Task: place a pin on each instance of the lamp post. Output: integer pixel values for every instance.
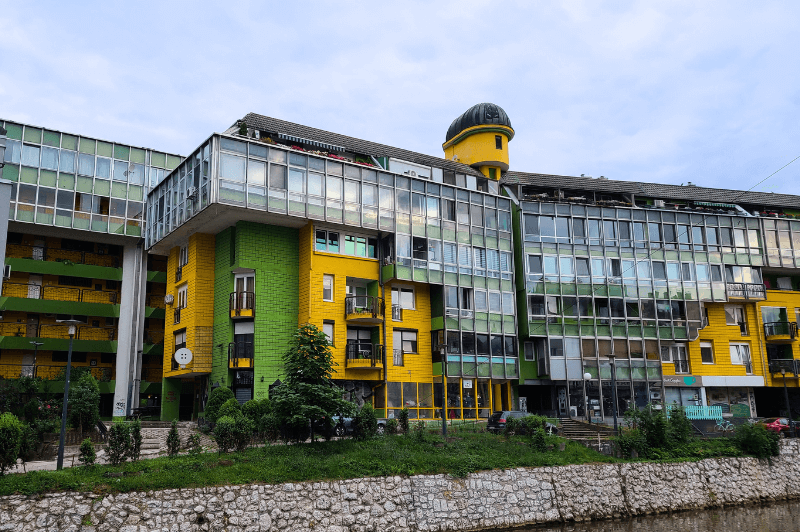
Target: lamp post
(443, 352)
(72, 330)
(788, 406)
(586, 377)
(35, 345)
(613, 392)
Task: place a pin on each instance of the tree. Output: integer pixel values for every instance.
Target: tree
(11, 434)
(308, 398)
(84, 402)
(173, 440)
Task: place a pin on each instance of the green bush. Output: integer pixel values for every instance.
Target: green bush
(119, 443)
(403, 420)
(84, 402)
(32, 410)
(653, 425)
(255, 409)
(224, 433)
(680, 429)
(531, 422)
(193, 444)
(269, 427)
(11, 433)
(242, 433)
(217, 398)
(173, 440)
(136, 439)
(420, 432)
(365, 423)
(87, 455)
(538, 440)
(757, 440)
(631, 439)
(28, 443)
(231, 408)
(512, 426)
(392, 426)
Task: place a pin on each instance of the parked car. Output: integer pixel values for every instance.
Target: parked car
(781, 425)
(497, 421)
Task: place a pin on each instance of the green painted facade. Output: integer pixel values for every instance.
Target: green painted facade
(65, 268)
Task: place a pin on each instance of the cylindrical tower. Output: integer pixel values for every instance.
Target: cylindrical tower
(479, 138)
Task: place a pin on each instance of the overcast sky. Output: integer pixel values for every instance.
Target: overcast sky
(671, 92)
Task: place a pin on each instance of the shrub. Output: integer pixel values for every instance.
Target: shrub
(231, 408)
(242, 433)
(28, 443)
(119, 443)
(629, 440)
(512, 426)
(136, 439)
(538, 441)
(403, 420)
(269, 428)
(173, 440)
(365, 423)
(193, 444)
(217, 398)
(653, 425)
(757, 440)
(84, 402)
(254, 409)
(11, 432)
(224, 433)
(32, 410)
(392, 426)
(87, 455)
(419, 431)
(528, 424)
(679, 427)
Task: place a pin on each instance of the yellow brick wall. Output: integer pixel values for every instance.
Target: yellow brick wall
(416, 368)
(198, 276)
(790, 301)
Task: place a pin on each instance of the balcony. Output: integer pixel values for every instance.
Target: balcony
(56, 330)
(363, 355)
(789, 365)
(53, 373)
(681, 366)
(242, 304)
(746, 291)
(397, 313)
(19, 251)
(177, 314)
(59, 293)
(364, 309)
(179, 274)
(780, 331)
(240, 355)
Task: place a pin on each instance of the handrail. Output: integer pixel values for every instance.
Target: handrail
(52, 372)
(781, 328)
(177, 316)
(178, 273)
(364, 351)
(695, 412)
(240, 351)
(57, 331)
(746, 290)
(789, 365)
(238, 301)
(397, 313)
(21, 251)
(59, 293)
(364, 305)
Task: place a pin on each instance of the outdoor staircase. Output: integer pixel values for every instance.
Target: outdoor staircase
(582, 431)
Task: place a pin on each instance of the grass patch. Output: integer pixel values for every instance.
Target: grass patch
(343, 459)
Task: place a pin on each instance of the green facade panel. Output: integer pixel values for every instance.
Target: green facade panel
(57, 344)
(48, 306)
(65, 268)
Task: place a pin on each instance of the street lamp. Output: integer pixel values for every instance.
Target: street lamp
(788, 406)
(586, 377)
(443, 352)
(35, 345)
(72, 329)
(613, 391)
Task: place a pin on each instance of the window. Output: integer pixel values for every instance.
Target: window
(405, 340)
(404, 297)
(740, 355)
(706, 352)
(327, 287)
(734, 315)
(183, 296)
(327, 328)
(498, 142)
(183, 256)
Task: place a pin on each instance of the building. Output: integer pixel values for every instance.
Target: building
(452, 281)
(75, 250)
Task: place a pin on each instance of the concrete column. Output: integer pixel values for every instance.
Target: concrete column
(703, 399)
(129, 331)
(5, 200)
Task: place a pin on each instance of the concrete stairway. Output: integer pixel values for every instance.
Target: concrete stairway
(581, 431)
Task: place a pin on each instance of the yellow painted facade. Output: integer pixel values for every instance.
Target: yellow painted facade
(197, 318)
(476, 146)
(791, 302)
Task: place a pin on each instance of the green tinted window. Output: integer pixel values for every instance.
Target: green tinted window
(87, 146)
(119, 190)
(103, 148)
(33, 134)
(69, 142)
(47, 178)
(85, 184)
(11, 172)
(102, 187)
(14, 131)
(173, 161)
(137, 155)
(51, 138)
(29, 175)
(158, 159)
(121, 152)
(135, 193)
(66, 181)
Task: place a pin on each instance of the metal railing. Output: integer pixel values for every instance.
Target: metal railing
(397, 313)
(177, 316)
(696, 412)
(240, 355)
(397, 358)
(156, 301)
(781, 328)
(359, 305)
(789, 365)
(57, 331)
(179, 274)
(154, 336)
(52, 372)
(746, 290)
(681, 366)
(239, 301)
(20, 251)
(59, 293)
(363, 351)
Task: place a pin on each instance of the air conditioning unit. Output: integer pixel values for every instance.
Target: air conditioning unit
(169, 299)
(191, 193)
(659, 203)
(6, 271)
(573, 411)
(655, 396)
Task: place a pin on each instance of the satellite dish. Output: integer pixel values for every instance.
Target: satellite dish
(168, 299)
(183, 356)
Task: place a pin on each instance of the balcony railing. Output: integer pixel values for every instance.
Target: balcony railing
(242, 304)
(59, 293)
(240, 355)
(177, 316)
(56, 330)
(20, 251)
(681, 366)
(154, 337)
(363, 355)
(756, 291)
(156, 301)
(780, 328)
(695, 412)
(179, 274)
(364, 308)
(789, 365)
(397, 358)
(53, 373)
(397, 313)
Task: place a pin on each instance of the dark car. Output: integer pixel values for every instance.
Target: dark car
(497, 421)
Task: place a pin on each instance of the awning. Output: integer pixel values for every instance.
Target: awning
(309, 142)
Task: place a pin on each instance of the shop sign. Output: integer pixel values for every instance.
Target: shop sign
(684, 381)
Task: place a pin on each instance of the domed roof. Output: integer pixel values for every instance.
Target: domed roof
(479, 115)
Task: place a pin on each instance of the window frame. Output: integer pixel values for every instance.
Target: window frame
(404, 288)
(710, 347)
(328, 278)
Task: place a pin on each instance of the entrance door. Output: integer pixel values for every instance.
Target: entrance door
(34, 286)
(32, 327)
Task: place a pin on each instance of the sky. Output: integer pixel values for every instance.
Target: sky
(670, 92)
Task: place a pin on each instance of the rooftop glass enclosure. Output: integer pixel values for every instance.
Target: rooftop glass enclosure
(450, 236)
(78, 182)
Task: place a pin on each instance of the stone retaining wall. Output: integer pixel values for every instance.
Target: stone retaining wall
(491, 499)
